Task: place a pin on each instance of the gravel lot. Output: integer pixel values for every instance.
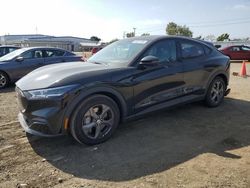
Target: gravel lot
(189, 146)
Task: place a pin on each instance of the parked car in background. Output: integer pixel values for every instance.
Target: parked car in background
(7, 49)
(95, 50)
(20, 62)
(237, 52)
(126, 79)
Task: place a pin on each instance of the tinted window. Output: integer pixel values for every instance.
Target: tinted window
(164, 50)
(69, 54)
(33, 54)
(207, 50)
(191, 50)
(54, 53)
(235, 49)
(2, 51)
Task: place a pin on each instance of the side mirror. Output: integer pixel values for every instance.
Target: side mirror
(149, 61)
(19, 59)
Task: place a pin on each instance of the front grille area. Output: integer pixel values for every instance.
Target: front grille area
(21, 100)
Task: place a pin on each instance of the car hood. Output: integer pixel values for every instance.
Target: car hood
(47, 76)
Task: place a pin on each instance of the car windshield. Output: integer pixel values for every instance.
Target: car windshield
(12, 55)
(120, 52)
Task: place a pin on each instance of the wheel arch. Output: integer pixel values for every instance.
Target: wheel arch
(106, 91)
(221, 74)
(6, 74)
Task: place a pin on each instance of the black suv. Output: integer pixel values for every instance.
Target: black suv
(126, 79)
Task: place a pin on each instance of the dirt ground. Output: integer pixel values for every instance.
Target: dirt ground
(189, 146)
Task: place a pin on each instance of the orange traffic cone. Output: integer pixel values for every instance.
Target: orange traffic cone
(243, 71)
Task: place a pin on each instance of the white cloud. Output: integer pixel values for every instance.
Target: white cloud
(241, 7)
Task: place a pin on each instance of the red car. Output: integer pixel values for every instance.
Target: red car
(237, 52)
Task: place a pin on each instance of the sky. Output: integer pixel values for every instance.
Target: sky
(109, 19)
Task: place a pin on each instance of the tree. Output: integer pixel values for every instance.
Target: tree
(224, 36)
(95, 38)
(174, 29)
(132, 34)
(145, 34)
(210, 38)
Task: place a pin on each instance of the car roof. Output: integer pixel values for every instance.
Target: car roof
(39, 47)
(45, 47)
(152, 38)
(9, 46)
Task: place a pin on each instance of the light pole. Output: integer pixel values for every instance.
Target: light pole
(134, 31)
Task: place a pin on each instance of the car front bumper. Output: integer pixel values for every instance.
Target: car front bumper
(41, 117)
(43, 129)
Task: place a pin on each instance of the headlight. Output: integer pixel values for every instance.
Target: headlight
(48, 93)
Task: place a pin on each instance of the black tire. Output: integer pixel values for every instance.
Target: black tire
(215, 93)
(4, 80)
(95, 120)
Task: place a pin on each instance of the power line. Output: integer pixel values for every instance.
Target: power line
(201, 24)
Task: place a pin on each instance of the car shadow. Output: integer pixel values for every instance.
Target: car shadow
(155, 143)
(9, 89)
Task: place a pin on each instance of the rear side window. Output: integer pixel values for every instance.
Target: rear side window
(191, 50)
(245, 48)
(2, 51)
(54, 53)
(69, 54)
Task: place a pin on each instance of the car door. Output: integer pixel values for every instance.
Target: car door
(194, 58)
(28, 61)
(235, 53)
(53, 56)
(245, 51)
(157, 84)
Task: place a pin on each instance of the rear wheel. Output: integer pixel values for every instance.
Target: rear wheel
(4, 80)
(215, 93)
(95, 120)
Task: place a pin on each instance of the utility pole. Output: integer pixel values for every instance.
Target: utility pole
(124, 34)
(134, 31)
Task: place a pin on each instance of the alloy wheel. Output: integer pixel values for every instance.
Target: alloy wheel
(97, 121)
(217, 92)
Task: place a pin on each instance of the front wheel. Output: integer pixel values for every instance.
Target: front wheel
(215, 93)
(95, 120)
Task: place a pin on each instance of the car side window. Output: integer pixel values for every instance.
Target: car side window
(2, 51)
(54, 53)
(235, 49)
(33, 54)
(245, 48)
(191, 50)
(165, 51)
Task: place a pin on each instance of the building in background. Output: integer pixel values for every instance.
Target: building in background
(70, 43)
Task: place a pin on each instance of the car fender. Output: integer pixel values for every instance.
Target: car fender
(84, 93)
(214, 75)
